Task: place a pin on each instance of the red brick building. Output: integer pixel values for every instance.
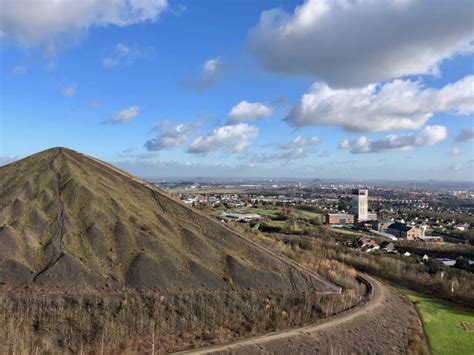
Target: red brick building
(339, 218)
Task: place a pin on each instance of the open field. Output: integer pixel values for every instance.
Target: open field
(443, 326)
(267, 212)
(294, 218)
(311, 215)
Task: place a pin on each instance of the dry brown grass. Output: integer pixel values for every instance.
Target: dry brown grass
(133, 322)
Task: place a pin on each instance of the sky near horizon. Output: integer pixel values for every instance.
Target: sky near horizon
(318, 88)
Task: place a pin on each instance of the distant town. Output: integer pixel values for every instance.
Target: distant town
(375, 215)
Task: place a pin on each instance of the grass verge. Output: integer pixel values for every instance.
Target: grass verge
(443, 324)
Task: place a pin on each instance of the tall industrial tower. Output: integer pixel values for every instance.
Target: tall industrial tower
(360, 204)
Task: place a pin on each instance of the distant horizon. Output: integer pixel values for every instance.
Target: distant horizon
(303, 179)
(269, 177)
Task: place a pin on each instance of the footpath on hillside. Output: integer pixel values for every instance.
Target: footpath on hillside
(388, 323)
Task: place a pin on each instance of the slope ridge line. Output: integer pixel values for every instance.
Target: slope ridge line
(335, 288)
(59, 221)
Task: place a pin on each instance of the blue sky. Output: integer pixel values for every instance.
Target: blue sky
(314, 92)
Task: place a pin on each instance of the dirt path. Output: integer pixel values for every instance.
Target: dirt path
(386, 323)
(378, 295)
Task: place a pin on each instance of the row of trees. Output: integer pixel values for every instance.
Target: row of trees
(152, 322)
(452, 284)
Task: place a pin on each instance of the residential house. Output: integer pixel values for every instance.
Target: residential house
(403, 231)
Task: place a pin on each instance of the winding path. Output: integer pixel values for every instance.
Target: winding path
(383, 323)
(377, 296)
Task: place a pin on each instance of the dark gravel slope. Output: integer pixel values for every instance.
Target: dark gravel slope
(71, 221)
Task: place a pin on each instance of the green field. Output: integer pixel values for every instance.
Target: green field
(266, 212)
(311, 215)
(273, 211)
(443, 326)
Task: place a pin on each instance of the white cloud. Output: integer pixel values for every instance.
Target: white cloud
(355, 43)
(70, 90)
(122, 54)
(287, 157)
(300, 142)
(430, 135)
(232, 138)
(125, 115)
(245, 110)
(170, 135)
(399, 104)
(119, 53)
(211, 72)
(32, 21)
(465, 135)
(297, 148)
(293, 150)
(455, 151)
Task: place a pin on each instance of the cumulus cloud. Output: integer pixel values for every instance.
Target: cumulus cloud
(355, 43)
(232, 138)
(465, 135)
(170, 135)
(245, 110)
(399, 104)
(287, 157)
(293, 150)
(70, 90)
(300, 142)
(297, 148)
(211, 72)
(125, 115)
(430, 135)
(32, 21)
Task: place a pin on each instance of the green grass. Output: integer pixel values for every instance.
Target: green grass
(442, 323)
(310, 215)
(274, 211)
(266, 212)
